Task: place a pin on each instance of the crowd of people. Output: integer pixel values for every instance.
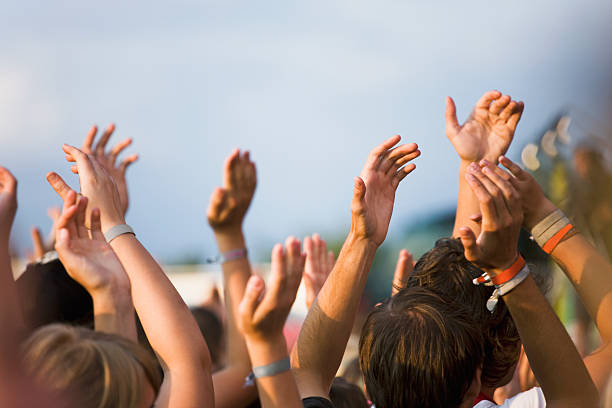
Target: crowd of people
(95, 322)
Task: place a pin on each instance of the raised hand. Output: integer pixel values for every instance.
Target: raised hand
(319, 264)
(488, 131)
(96, 184)
(89, 260)
(108, 160)
(403, 270)
(374, 191)
(264, 319)
(495, 249)
(40, 247)
(229, 204)
(261, 321)
(8, 203)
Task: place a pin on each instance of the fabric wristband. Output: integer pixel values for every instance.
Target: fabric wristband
(503, 277)
(505, 288)
(227, 256)
(117, 230)
(551, 230)
(268, 370)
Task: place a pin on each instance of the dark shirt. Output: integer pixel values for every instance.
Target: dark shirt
(317, 402)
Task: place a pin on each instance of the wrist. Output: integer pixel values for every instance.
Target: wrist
(532, 218)
(228, 240)
(266, 350)
(109, 222)
(502, 266)
(112, 299)
(359, 241)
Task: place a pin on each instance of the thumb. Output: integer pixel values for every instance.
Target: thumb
(39, 246)
(252, 293)
(359, 191)
(452, 125)
(468, 239)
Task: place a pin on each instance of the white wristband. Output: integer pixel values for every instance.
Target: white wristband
(117, 230)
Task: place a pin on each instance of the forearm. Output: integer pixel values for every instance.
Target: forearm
(114, 313)
(545, 340)
(325, 332)
(11, 315)
(467, 204)
(278, 390)
(168, 323)
(236, 274)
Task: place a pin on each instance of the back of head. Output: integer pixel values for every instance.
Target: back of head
(419, 349)
(445, 270)
(344, 394)
(91, 369)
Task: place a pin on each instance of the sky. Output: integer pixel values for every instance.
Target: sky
(308, 87)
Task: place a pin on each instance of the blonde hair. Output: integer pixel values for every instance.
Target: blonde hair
(93, 369)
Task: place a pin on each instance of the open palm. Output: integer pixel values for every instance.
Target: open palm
(488, 131)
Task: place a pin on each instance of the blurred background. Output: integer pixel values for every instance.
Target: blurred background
(309, 88)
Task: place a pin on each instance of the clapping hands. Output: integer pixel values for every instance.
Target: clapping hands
(488, 131)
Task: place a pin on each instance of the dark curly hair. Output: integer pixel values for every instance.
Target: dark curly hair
(445, 270)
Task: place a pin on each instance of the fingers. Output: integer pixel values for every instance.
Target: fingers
(8, 182)
(88, 142)
(59, 185)
(499, 104)
(508, 110)
(403, 270)
(331, 261)
(127, 162)
(376, 153)
(485, 100)
(516, 116)
(395, 158)
(229, 176)
(252, 293)
(487, 206)
(118, 148)
(67, 221)
(320, 252)
(511, 196)
(470, 247)
(37, 241)
(96, 225)
(295, 261)
(452, 125)
(402, 173)
(101, 145)
(514, 168)
(80, 218)
(83, 162)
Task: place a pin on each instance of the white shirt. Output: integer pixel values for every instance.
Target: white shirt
(533, 398)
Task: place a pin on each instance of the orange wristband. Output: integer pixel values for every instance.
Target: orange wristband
(555, 239)
(509, 273)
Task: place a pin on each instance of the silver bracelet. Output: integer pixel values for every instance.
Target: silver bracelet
(268, 370)
(117, 230)
(227, 256)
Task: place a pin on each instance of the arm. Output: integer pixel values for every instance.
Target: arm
(325, 332)
(11, 319)
(262, 323)
(486, 134)
(319, 264)
(564, 381)
(90, 261)
(167, 322)
(226, 211)
(585, 267)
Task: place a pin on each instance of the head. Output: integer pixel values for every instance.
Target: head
(91, 369)
(212, 329)
(419, 349)
(445, 270)
(344, 394)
